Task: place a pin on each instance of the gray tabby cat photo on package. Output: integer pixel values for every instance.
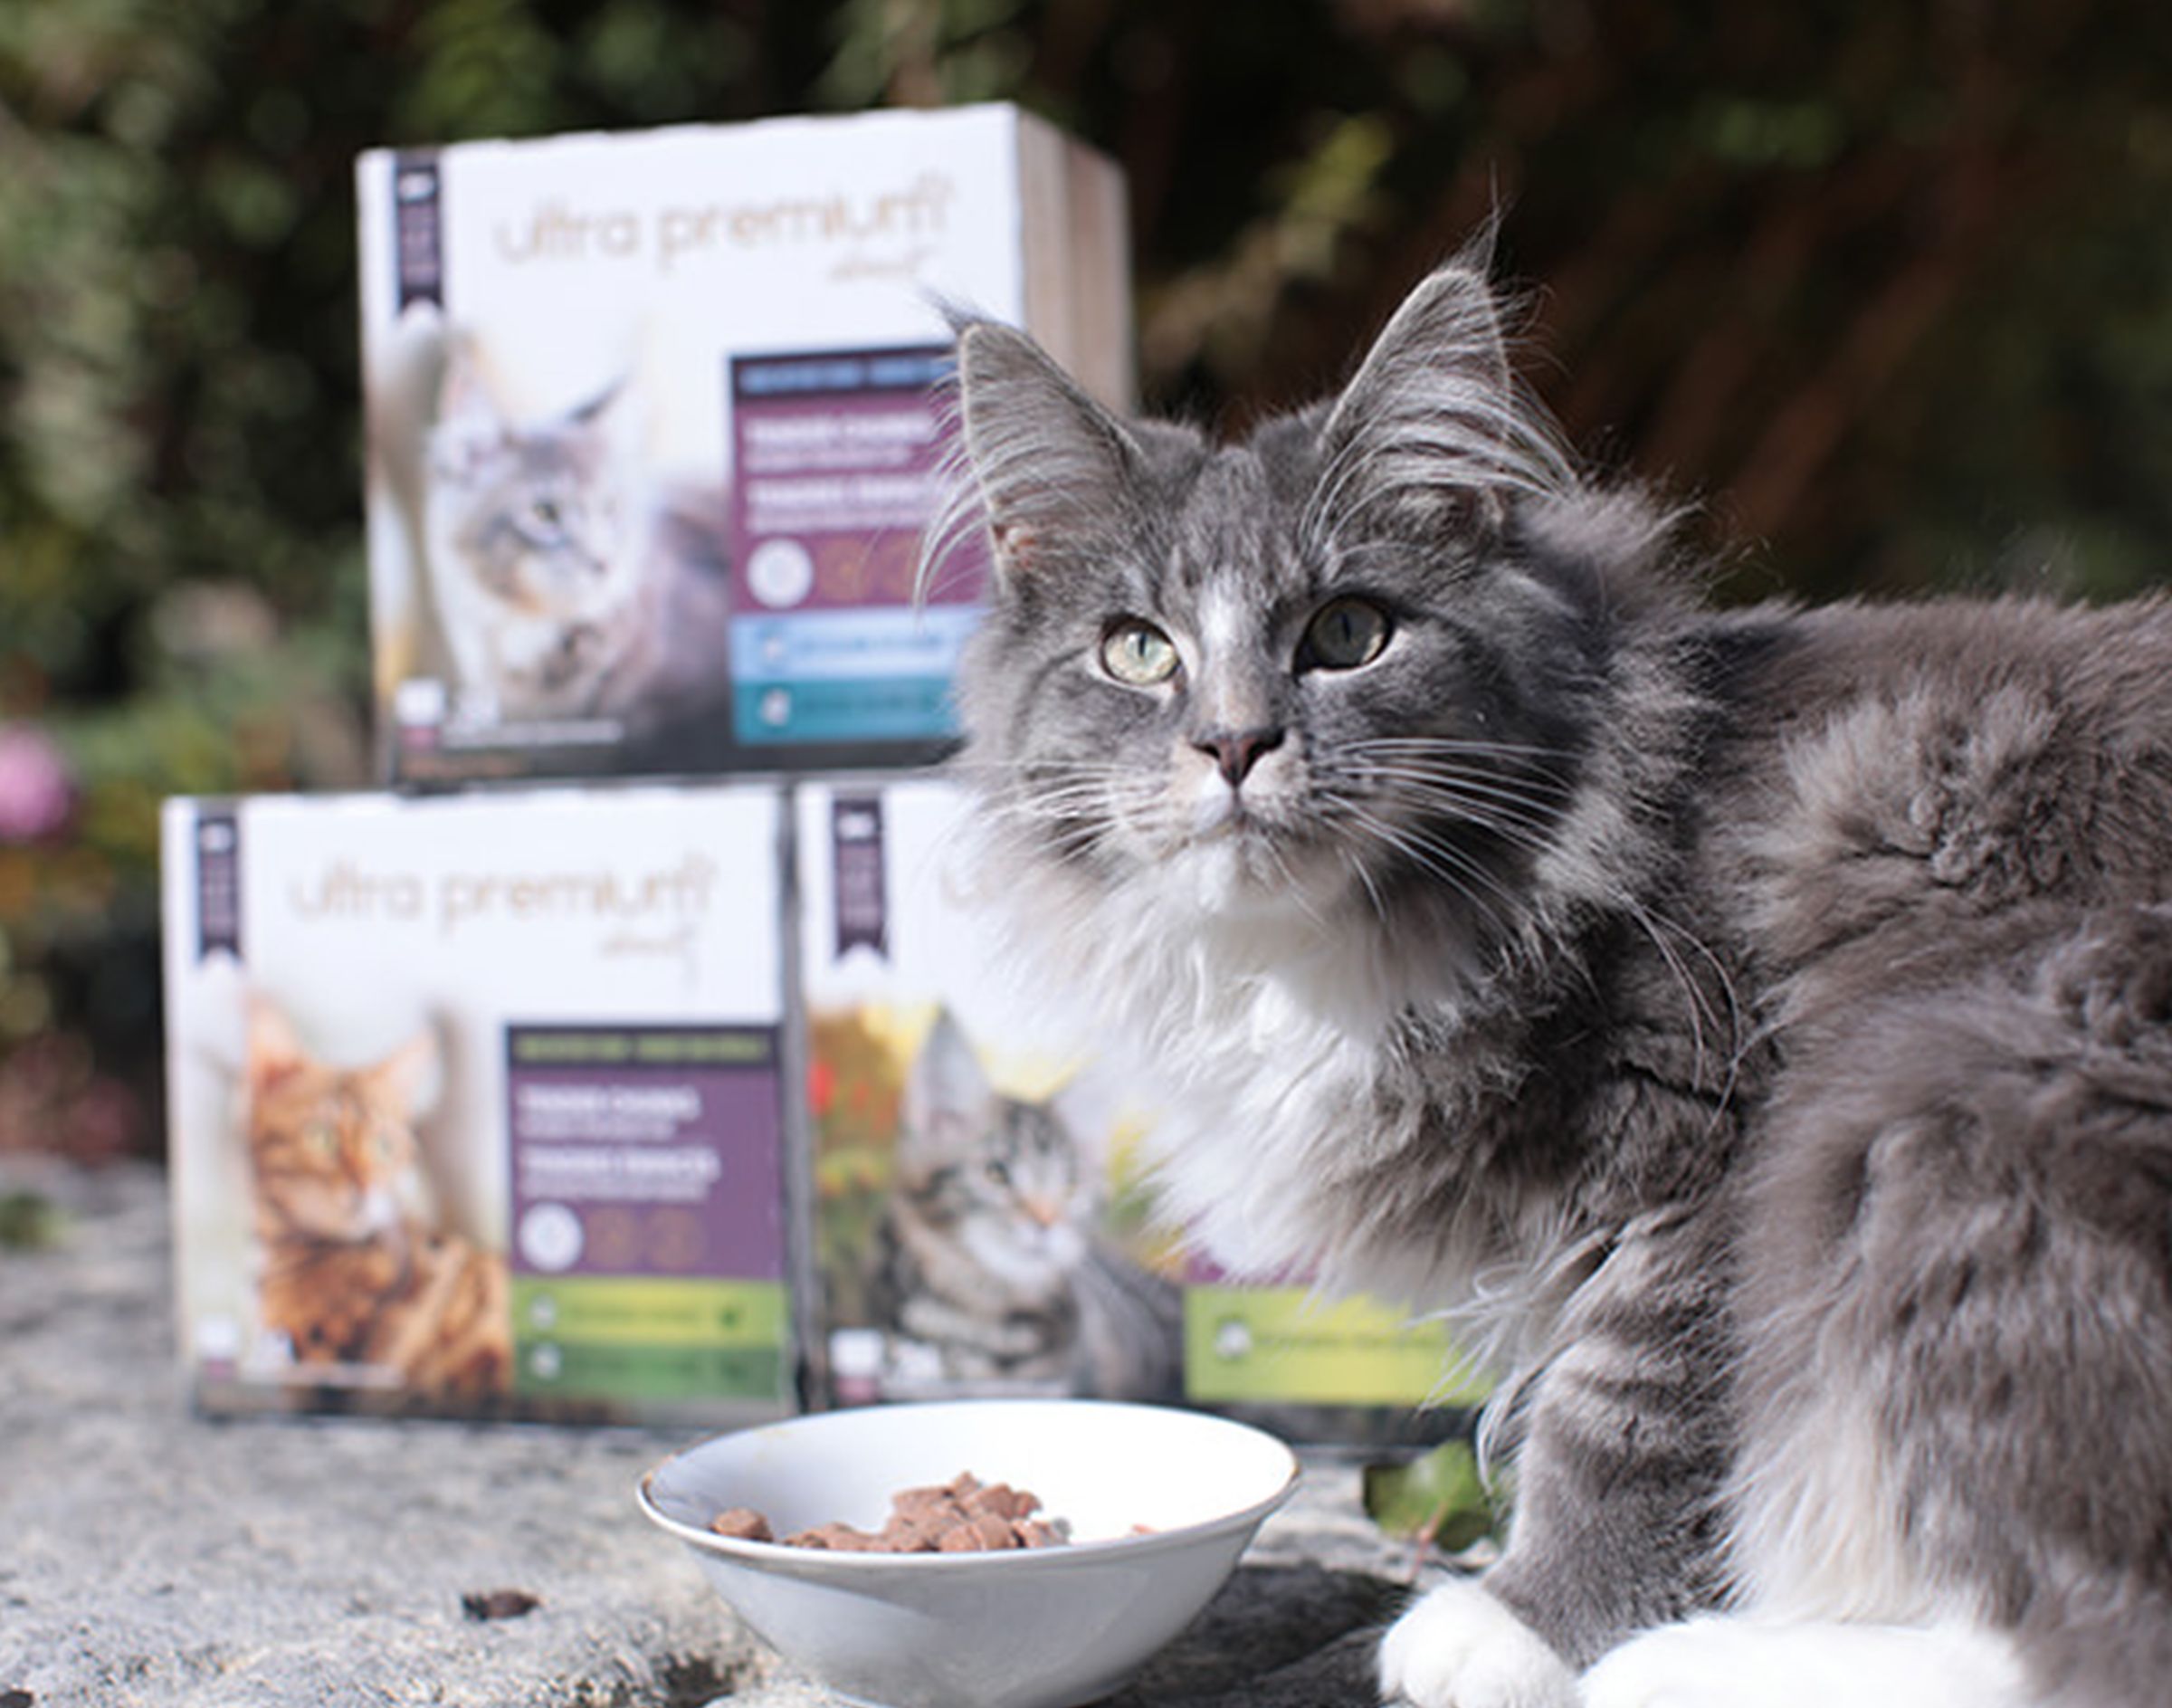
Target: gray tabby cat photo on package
(990, 1258)
(1754, 1026)
(555, 578)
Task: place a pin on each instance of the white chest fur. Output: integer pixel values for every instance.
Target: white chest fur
(1267, 1045)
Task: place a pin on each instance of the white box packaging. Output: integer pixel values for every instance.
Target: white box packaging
(476, 1103)
(655, 429)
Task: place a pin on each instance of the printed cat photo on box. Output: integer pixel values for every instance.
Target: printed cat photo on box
(1754, 1024)
(555, 579)
(979, 1256)
(993, 1254)
(356, 1278)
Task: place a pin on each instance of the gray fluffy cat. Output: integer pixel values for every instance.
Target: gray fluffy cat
(1760, 1024)
(991, 1254)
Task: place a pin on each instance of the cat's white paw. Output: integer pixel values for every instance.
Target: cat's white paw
(1703, 1663)
(1745, 1663)
(1460, 1648)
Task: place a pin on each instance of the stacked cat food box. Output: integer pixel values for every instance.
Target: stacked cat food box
(656, 429)
(479, 1101)
(635, 1053)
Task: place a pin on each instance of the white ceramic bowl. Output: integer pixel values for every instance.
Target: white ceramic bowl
(1045, 1628)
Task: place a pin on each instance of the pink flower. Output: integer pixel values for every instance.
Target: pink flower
(36, 793)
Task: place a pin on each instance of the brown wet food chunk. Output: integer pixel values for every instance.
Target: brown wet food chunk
(742, 1523)
(964, 1516)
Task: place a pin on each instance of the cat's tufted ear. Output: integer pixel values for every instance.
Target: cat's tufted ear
(1433, 426)
(946, 1090)
(275, 1048)
(464, 393)
(409, 1076)
(469, 428)
(1044, 457)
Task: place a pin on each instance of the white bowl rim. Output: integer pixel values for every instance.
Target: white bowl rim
(776, 1554)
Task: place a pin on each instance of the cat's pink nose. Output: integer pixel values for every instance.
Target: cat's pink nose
(1234, 753)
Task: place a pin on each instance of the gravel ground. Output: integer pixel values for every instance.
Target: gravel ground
(151, 1557)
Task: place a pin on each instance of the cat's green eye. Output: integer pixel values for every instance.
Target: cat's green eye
(322, 1138)
(1137, 654)
(997, 1173)
(1345, 633)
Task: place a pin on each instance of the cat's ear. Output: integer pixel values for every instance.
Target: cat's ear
(1433, 425)
(408, 1077)
(275, 1048)
(1047, 459)
(600, 407)
(470, 425)
(613, 412)
(948, 1088)
(464, 393)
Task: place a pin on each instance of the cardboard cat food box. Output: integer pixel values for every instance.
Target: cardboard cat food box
(982, 1221)
(656, 427)
(477, 1106)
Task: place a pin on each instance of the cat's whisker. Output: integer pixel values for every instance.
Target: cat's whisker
(1442, 861)
(1363, 874)
(1693, 1001)
(1502, 827)
(1524, 825)
(1511, 797)
(1431, 741)
(1082, 791)
(1503, 771)
(1539, 793)
(1295, 890)
(1486, 769)
(1698, 1008)
(1529, 757)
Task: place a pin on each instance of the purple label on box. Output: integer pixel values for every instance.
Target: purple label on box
(419, 229)
(837, 460)
(646, 1151)
(218, 883)
(859, 875)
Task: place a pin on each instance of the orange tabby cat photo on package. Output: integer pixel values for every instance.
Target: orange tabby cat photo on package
(356, 1273)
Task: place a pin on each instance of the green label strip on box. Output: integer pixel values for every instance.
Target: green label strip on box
(1286, 1345)
(650, 1338)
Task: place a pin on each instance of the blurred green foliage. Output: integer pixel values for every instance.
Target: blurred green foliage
(1887, 287)
(1440, 1499)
